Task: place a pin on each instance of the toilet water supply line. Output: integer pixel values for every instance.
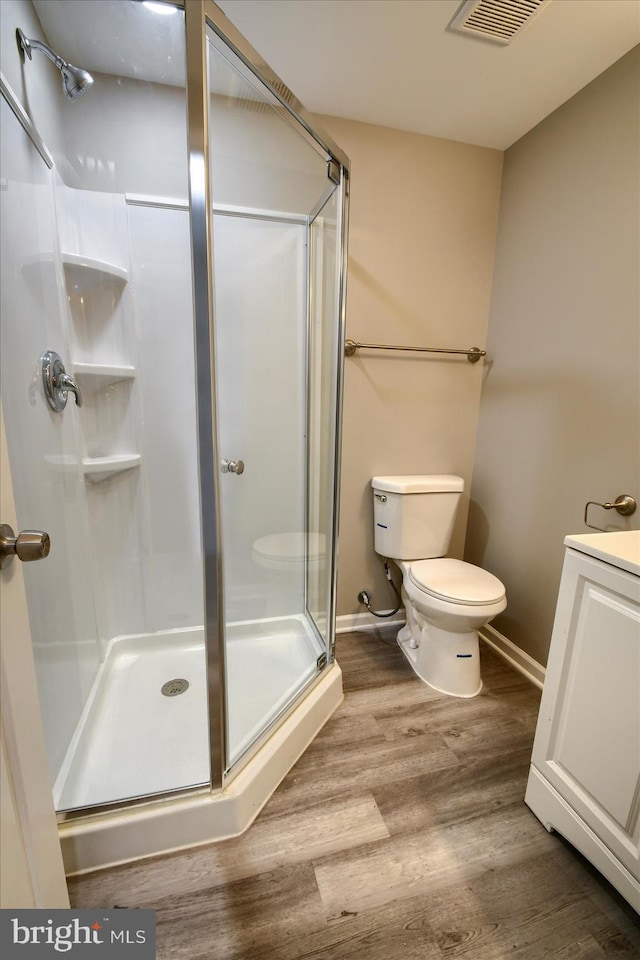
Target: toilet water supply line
(363, 596)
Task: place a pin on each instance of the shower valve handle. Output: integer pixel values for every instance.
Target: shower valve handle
(57, 382)
(64, 382)
(232, 466)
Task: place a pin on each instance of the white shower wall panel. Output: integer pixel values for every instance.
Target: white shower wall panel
(114, 515)
(95, 252)
(93, 224)
(129, 136)
(161, 281)
(43, 445)
(93, 230)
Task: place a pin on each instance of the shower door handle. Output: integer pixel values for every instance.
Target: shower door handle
(232, 466)
(28, 545)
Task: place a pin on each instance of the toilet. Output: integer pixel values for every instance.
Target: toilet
(446, 600)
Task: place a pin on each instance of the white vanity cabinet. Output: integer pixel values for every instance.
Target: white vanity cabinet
(584, 780)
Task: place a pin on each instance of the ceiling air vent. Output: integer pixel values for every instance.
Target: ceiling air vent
(497, 20)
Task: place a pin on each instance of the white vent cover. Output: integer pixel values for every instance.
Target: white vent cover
(497, 20)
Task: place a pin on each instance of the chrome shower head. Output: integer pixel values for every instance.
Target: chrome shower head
(75, 80)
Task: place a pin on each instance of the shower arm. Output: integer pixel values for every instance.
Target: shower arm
(29, 45)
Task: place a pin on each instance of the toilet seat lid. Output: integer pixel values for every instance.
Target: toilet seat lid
(456, 581)
(290, 547)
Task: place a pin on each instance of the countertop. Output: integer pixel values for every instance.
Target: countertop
(621, 549)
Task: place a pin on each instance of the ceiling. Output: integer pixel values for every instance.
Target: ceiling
(387, 62)
(118, 37)
(393, 62)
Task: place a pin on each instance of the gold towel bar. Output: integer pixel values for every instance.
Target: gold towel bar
(351, 346)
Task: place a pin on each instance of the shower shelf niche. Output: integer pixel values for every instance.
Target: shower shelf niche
(98, 315)
(97, 376)
(85, 274)
(98, 469)
(82, 274)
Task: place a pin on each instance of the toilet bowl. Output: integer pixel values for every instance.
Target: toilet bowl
(446, 600)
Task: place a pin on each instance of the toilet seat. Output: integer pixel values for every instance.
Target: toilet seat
(455, 581)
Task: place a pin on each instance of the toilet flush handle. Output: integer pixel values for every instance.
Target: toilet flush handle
(381, 497)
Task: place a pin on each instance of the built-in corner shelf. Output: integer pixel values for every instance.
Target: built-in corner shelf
(98, 469)
(97, 376)
(85, 274)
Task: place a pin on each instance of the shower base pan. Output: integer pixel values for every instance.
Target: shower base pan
(134, 741)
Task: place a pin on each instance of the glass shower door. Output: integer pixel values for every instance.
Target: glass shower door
(103, 220)
(267, 180)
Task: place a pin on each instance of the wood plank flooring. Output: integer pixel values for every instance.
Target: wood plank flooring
(400, 834)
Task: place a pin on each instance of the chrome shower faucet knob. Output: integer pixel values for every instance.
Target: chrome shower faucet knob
(57, 382)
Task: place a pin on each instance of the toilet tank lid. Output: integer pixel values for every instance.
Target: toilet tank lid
(433, 483)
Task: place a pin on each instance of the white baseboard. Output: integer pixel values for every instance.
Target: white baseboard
(352, 622)
(516, 657)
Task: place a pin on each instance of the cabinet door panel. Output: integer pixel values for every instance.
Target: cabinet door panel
(588, 741)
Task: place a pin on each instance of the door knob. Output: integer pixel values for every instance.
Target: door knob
(28, 545)
(232, 466)
(57, 382)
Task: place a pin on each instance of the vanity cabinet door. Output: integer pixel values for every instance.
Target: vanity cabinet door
(587, 741)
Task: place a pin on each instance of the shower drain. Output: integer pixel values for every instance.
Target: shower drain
(174, 687)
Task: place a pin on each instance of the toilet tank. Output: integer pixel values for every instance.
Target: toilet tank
(413, 516)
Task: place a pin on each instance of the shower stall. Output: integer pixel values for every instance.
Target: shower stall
(173, 264)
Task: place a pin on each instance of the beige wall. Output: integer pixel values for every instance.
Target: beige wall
(422, 238)
(559, 422)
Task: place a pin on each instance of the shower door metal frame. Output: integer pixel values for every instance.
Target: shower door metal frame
(200, 216)
(341, 266)
(200, 14)
(338, 366)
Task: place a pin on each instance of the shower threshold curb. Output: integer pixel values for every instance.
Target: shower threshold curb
(170, 825)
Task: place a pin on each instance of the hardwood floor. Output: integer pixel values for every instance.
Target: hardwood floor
(400, 834)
